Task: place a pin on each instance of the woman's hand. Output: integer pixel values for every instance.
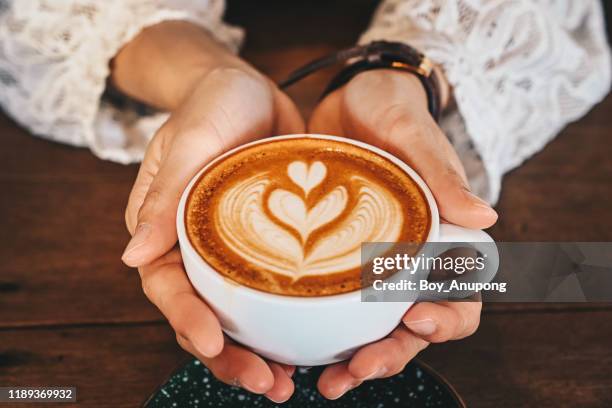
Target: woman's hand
(216, 102)
(388, 109)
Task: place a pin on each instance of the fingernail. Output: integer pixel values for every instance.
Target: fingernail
(479, 202)
(423, 327)
(130, 255)
(379, 372)
(202, 350)
(249, 388)
(346, 389)
(476, 199)
(275, 401)
(342, 392)
(237, 383)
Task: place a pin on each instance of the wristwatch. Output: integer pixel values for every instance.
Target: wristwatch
(376, 55)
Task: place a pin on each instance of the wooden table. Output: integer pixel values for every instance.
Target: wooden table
(72, 314)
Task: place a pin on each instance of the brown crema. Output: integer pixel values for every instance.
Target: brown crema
(288, 216)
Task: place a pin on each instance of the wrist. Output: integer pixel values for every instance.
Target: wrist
(201, 75)
(152, 69)
(406, 83)
(395, 81)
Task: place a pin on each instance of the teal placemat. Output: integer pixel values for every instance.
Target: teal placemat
(417, 386)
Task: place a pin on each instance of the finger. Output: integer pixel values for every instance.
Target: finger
(335, 381)
(283, 386)
(386, 357)
(167, 287)
(325, 118)
(236, 366)
(440, 322)
(289, 369)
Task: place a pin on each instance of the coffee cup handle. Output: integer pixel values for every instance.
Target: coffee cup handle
(459, 237)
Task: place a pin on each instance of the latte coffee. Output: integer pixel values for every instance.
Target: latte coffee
(288, 216)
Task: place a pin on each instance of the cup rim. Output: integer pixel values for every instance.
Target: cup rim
(187, 247)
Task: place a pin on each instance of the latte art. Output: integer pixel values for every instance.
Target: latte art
(289, 216)
(248, 230)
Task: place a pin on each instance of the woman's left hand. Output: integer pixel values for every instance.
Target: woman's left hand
(388, 109)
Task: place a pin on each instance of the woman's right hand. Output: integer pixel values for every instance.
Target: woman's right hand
(228, 104)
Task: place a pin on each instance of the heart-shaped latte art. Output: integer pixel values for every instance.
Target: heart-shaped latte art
(291, 209)
(307, 177)
(248, 230)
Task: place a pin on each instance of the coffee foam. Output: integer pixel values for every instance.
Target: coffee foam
(289, 216)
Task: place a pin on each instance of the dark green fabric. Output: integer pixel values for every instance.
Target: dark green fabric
(194, 386)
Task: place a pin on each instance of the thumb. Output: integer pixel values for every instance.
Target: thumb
(430, 153)
(457, 204)
(288, 117)
(155, 230)
(325, 118)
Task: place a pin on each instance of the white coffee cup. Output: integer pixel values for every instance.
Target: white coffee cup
(304, 331)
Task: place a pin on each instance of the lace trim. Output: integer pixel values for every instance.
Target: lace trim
(54, 61)
(520, 70)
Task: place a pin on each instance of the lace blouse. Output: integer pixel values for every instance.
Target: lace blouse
(520, 70)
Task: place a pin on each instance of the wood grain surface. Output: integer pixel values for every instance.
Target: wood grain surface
(72, 314)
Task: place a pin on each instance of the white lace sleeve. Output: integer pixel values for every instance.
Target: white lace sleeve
(54, 62)
(520, 71)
